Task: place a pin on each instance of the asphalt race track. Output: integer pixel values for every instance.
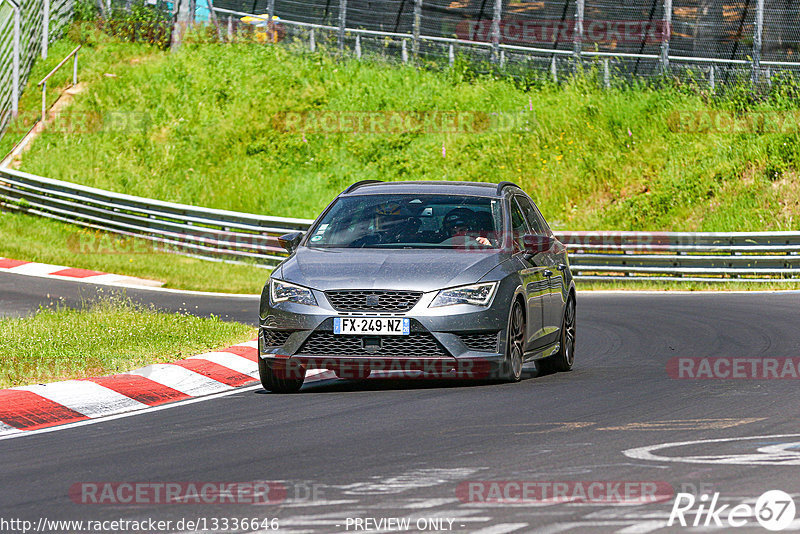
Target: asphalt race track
(382, 449)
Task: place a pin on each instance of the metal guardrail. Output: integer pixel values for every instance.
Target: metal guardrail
(233, 236)
(192, 230)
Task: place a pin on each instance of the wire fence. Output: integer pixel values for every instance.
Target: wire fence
(26, 27)
(709, 41)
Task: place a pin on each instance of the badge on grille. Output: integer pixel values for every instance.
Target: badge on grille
(372, 300)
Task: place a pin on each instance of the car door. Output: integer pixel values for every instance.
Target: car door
(553, 276)
(532, 276)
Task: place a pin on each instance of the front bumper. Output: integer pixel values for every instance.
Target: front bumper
(462, 339)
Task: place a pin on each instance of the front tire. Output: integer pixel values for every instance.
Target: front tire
(280, 378)
(511, 369)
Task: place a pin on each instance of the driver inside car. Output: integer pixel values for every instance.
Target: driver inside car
(460, 222)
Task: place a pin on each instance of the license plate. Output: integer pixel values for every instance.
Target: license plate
(382, 326)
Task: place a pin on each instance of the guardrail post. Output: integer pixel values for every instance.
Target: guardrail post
(757, 40)
(666, 34)
(230, 28)
(342, 19)
(498, 13)
(404, 51)
(312, 45)
(451, 55)
(416, 28)
(577, 35)
(358, 46)
(554, 69)
(45, 27)
(606, 74)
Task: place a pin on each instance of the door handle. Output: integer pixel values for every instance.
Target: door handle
(562, 266)
(548, 273)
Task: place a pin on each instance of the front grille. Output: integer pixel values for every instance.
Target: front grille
(373, 300)
(415, 345)
(275, 338)
(484, 341)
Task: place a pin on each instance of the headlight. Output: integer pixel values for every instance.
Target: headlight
(281, 291)
(477, 295)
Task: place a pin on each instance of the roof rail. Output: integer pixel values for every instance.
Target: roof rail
(502, 185)
(362, 182)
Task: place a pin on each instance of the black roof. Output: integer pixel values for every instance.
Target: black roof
(373, 187)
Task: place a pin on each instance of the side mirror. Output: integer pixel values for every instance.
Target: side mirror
(290, 241)
(534, 244)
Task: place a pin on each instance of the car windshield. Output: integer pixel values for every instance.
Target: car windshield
(410, 221)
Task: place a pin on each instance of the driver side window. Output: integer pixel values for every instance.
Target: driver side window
(518, 225)
(531, 215)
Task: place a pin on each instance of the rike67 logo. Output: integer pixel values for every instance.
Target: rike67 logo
(774, 510)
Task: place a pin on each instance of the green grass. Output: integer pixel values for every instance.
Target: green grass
(31, 238)
(107, 336)
(203, 126)
(203, 131)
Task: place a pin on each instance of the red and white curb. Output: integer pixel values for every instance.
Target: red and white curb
(29, 408)
(59, 272)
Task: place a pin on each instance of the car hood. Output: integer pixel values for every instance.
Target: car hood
(420, 270)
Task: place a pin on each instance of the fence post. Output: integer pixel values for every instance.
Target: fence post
(213, 17)
(757, 40)
(404, 51)
(15, 61)
(666, 34)
(554, 69)
(606, 74)
(451, 55)
(358, 45)
(230, 28)
(45, 27)
(312, 44)
(416, 28)
(342, 19)
(498, 12)
(577, 36)
(270, 14)
(711, 77)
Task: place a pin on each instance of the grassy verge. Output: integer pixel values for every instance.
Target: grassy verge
(205, 126)
(108, 336)
(209, 128)
(25, 237)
